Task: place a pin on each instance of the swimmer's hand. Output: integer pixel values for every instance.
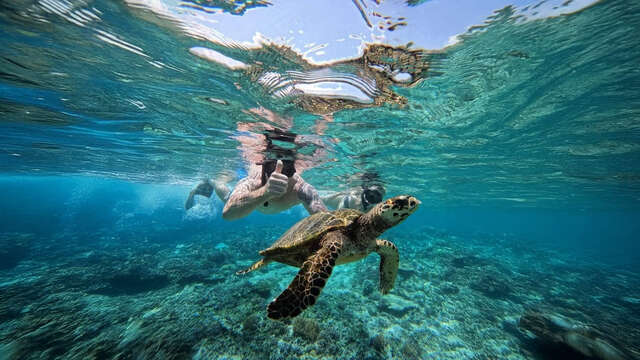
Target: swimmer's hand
(277, 183)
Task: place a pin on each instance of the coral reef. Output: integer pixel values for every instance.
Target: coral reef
(567, 336)
(146, 295)
(14, 247)
(306, 328)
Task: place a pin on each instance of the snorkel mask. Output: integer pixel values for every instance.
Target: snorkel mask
(371, 195)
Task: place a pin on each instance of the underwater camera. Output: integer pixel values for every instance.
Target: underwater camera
(278, 151)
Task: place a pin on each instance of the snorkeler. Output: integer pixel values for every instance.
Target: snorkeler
(271, 186)
(363, 198)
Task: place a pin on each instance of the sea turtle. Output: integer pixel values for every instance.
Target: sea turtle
(325, 239)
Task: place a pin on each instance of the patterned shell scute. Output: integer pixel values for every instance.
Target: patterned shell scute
(311, 227)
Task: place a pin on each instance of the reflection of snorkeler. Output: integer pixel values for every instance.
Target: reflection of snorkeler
(363, 198)
(272, 185)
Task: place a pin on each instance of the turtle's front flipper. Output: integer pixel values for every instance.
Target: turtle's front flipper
(389, 261)
(307, 285)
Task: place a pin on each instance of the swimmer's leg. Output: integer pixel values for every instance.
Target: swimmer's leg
(220, 185)
(222, 190)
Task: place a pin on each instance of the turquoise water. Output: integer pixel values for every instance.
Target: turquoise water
(521, 139)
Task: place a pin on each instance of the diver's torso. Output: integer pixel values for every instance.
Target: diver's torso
(276, 205)
(284, 202)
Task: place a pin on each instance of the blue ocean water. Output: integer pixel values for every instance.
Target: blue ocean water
(520, 138)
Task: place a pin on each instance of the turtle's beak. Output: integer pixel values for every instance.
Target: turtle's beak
(408, 203)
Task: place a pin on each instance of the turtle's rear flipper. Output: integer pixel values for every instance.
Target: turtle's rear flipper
(389, 261)
(307, 285)
(256, 265)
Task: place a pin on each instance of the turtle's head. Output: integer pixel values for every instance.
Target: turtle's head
(398, 208)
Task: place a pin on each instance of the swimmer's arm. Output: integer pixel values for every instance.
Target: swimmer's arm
(246, 196)
(310, 198)
(334, 200)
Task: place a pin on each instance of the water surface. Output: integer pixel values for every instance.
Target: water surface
(515, 123)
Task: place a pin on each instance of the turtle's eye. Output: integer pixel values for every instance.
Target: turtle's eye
(412, 203)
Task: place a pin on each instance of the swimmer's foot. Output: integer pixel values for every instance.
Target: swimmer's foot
(204, 188)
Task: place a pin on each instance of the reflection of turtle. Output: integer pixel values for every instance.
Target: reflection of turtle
(388, 67)
(381, 66)
(320, 241)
